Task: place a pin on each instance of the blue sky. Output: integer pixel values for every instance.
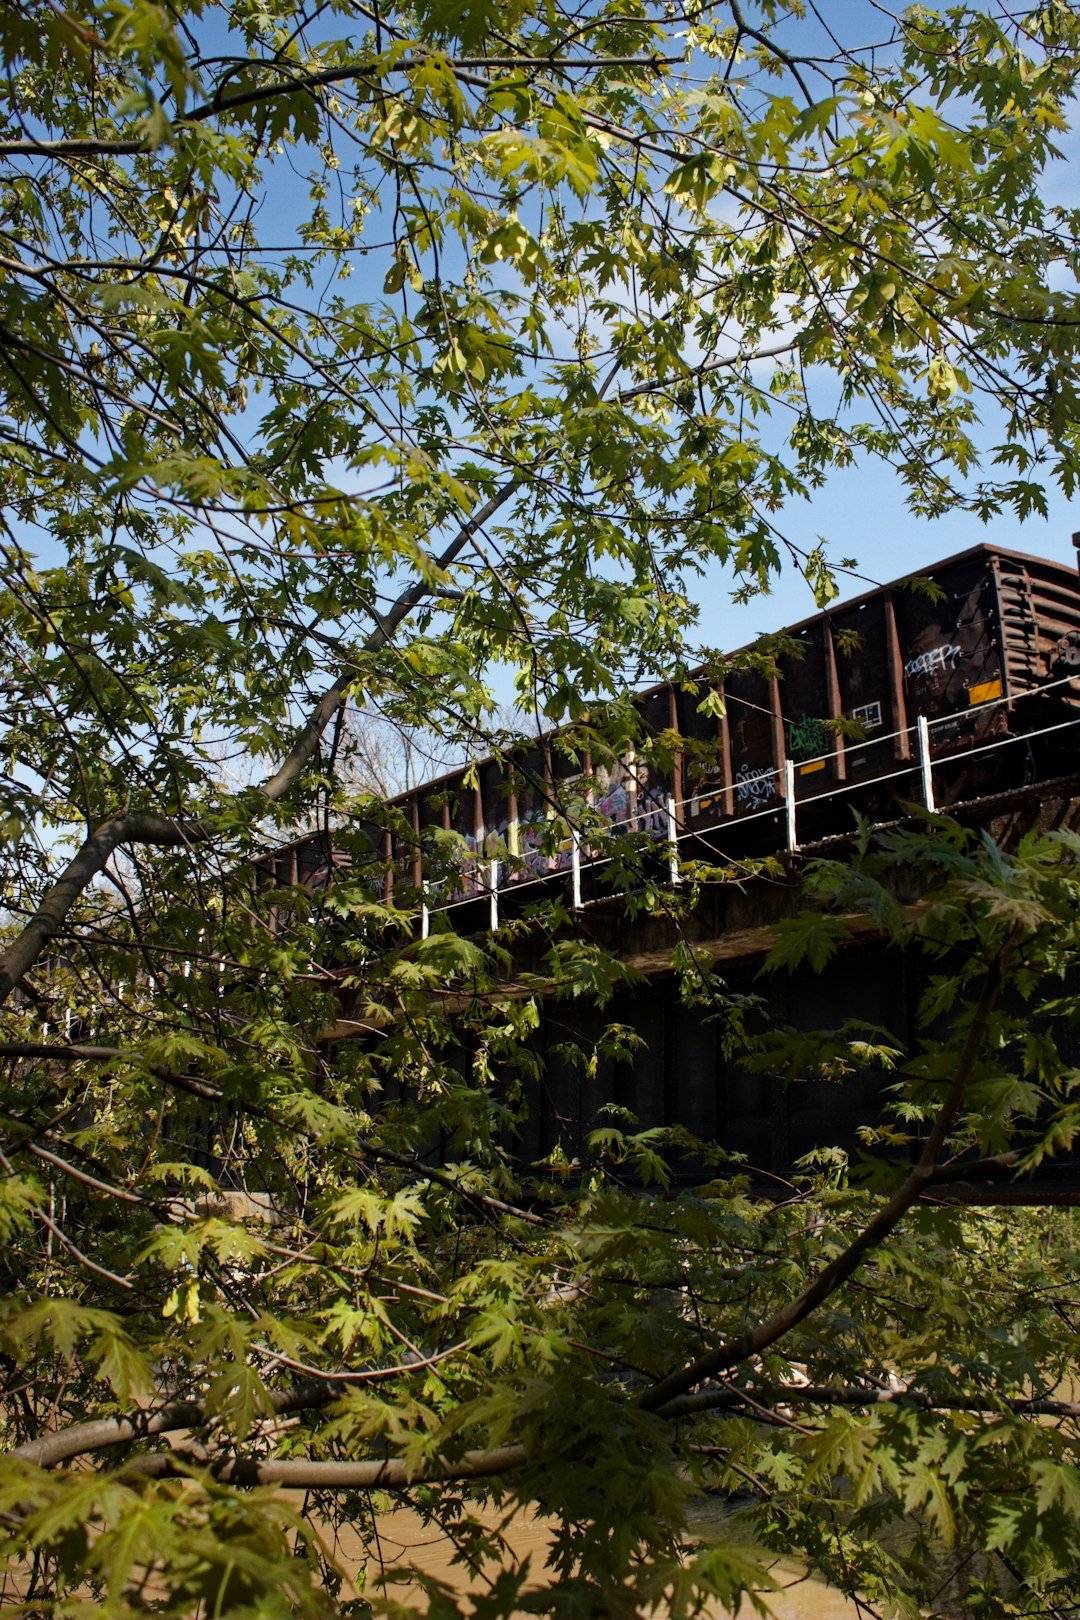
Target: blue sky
(860, 513)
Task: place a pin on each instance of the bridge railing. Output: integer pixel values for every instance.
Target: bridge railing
(503, 877)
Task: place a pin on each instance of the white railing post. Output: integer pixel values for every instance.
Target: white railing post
(789, 800)
(494, 896)
(673, 841)
(424, 914)
(924, 759)
(575, 869)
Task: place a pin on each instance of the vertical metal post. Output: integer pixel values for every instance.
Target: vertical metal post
(836, 706)
(424, 916)
(726, 773)
(789, 802)
(673, 841)
(924, 760)
(575, 869)
(894, 663)
(494, 895)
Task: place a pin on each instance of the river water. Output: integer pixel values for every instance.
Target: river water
(403, 1538)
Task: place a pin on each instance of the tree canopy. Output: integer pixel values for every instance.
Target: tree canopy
(349, 353)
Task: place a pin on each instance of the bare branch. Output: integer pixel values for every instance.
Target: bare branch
(976, 1169)
(101, 1433)
(77, 875)
(388, 1475)
(88, 147)
(84, 1259)
(727, 1396)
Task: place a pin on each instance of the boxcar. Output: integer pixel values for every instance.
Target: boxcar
(964, 679)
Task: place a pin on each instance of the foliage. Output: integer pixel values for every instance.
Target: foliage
(864, 1372)
(347, 353)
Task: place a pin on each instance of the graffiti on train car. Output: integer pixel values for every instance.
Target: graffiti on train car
(613, 797)
(709, 796)
(496, 839)
(808, 738)
(1037, 635)
(478, 850)
(652, 813)
(615, 804)
(928, 663)
(754, 786)
(471, 880)
(530, 839)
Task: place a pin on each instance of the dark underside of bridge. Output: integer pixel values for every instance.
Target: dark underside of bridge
(681, 1074)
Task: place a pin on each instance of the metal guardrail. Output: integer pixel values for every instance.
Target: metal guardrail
(786, 801)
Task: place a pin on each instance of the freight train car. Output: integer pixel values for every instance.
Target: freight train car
(940, 689)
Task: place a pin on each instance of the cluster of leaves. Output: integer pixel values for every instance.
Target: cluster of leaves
(602, 264)
(330, 1265)
(608, 263)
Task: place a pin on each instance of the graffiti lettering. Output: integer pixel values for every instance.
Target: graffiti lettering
(709, 797)
(928, 662)
(808, 738)
(754, 786)
(530, 838)
(652, 813)
(614, 804)
(471, 879)
(611, 797)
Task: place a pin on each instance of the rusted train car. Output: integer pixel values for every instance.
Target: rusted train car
(962, 682)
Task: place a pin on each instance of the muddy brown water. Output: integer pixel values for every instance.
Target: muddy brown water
(405, 1539)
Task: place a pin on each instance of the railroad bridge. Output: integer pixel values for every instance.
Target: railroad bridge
(960, 692)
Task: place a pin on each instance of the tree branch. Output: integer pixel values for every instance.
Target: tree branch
(975, 1169)
(91, 146)
(75, 878)
(714, 1400)
(74, 147)
(101, 1433)
(387, 1473)
(301, 1474)
(138, 828)
(693, 374)
(757, 1339)
(106, 1054)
